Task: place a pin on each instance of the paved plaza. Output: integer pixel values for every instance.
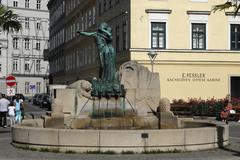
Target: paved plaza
(8, 152)
(232, 152)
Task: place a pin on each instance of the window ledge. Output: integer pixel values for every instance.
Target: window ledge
(199, 12)
(164, 11)
(231, 14)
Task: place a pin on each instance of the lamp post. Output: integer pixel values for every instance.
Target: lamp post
(152, 56)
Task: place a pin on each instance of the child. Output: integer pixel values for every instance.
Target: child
(224, 115)
(11, 113)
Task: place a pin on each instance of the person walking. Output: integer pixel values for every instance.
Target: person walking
(11, 113)
(4, 103)
(18, 105)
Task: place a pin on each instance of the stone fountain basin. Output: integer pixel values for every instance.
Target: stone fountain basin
(204, 135)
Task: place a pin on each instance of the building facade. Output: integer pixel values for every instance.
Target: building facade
(196, 51)
(22, 52)
(71, 57)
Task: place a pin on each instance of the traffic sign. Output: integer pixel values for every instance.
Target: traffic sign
(10, 91)
(32, 86)
(10, 80)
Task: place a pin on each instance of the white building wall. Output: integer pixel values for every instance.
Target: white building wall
(22, 54)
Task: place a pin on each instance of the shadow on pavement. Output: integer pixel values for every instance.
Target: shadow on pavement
(7, 131)
(236, 153)
(220, 131)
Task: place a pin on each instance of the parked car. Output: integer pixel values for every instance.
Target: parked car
(34, 99)
(39, 98)
(46, 102)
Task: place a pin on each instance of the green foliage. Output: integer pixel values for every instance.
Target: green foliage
(8, 20)
(127, 152)
(161, 151)
(93, 152)
(101, 152)
(70, 152)
(33, 149)
(54, 150)
(229, 4)
(44, 150)
(198, 107)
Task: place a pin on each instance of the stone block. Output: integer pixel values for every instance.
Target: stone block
(169, 137)
(33, 123)
(79, 138)
(80, 123)
(44, 136)
(168, 120)
(150, 122)
(84, 106)
(123, 138)
(143, 85)
(195, 136)
(20, 134)
(53, 122)
(69, 101)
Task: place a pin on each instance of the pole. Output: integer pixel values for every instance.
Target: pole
(152, 65)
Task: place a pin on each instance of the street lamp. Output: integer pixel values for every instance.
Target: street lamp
(152, 56)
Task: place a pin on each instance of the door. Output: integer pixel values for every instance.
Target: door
(235, 87)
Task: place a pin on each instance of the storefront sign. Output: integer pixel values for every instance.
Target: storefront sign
(193, 77)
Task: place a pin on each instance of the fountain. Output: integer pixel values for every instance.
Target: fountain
(120, 111)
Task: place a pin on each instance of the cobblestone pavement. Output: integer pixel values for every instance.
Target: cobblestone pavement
(231, 152)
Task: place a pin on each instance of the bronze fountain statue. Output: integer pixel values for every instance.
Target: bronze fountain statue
(108, 85)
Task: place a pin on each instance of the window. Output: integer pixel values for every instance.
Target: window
(99, 8)
(38, 87)
(198, 36)
(117, 38)
(0, 67)
(15, 3)
(38, 47)
(94, 15)
(15, 43)
(117, 1)
(26, 3)
(26, 87)
(158, 35)
(0, 51)
(38, 65)
(38, 25)
(104, 5)
(38, 4)
(90, 18)
(27, 43)
(110, 4)
(235, 37)
(27, 65)
(27, 22)
(15, 65)
(124, 34)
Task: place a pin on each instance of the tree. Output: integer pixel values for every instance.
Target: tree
(8, 20)
(235, 4)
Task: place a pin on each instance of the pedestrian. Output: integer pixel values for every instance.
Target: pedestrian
(18, 105)
(224, 115)
(4, 103)
(11, 114)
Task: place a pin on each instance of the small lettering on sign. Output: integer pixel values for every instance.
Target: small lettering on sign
(193, 77)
